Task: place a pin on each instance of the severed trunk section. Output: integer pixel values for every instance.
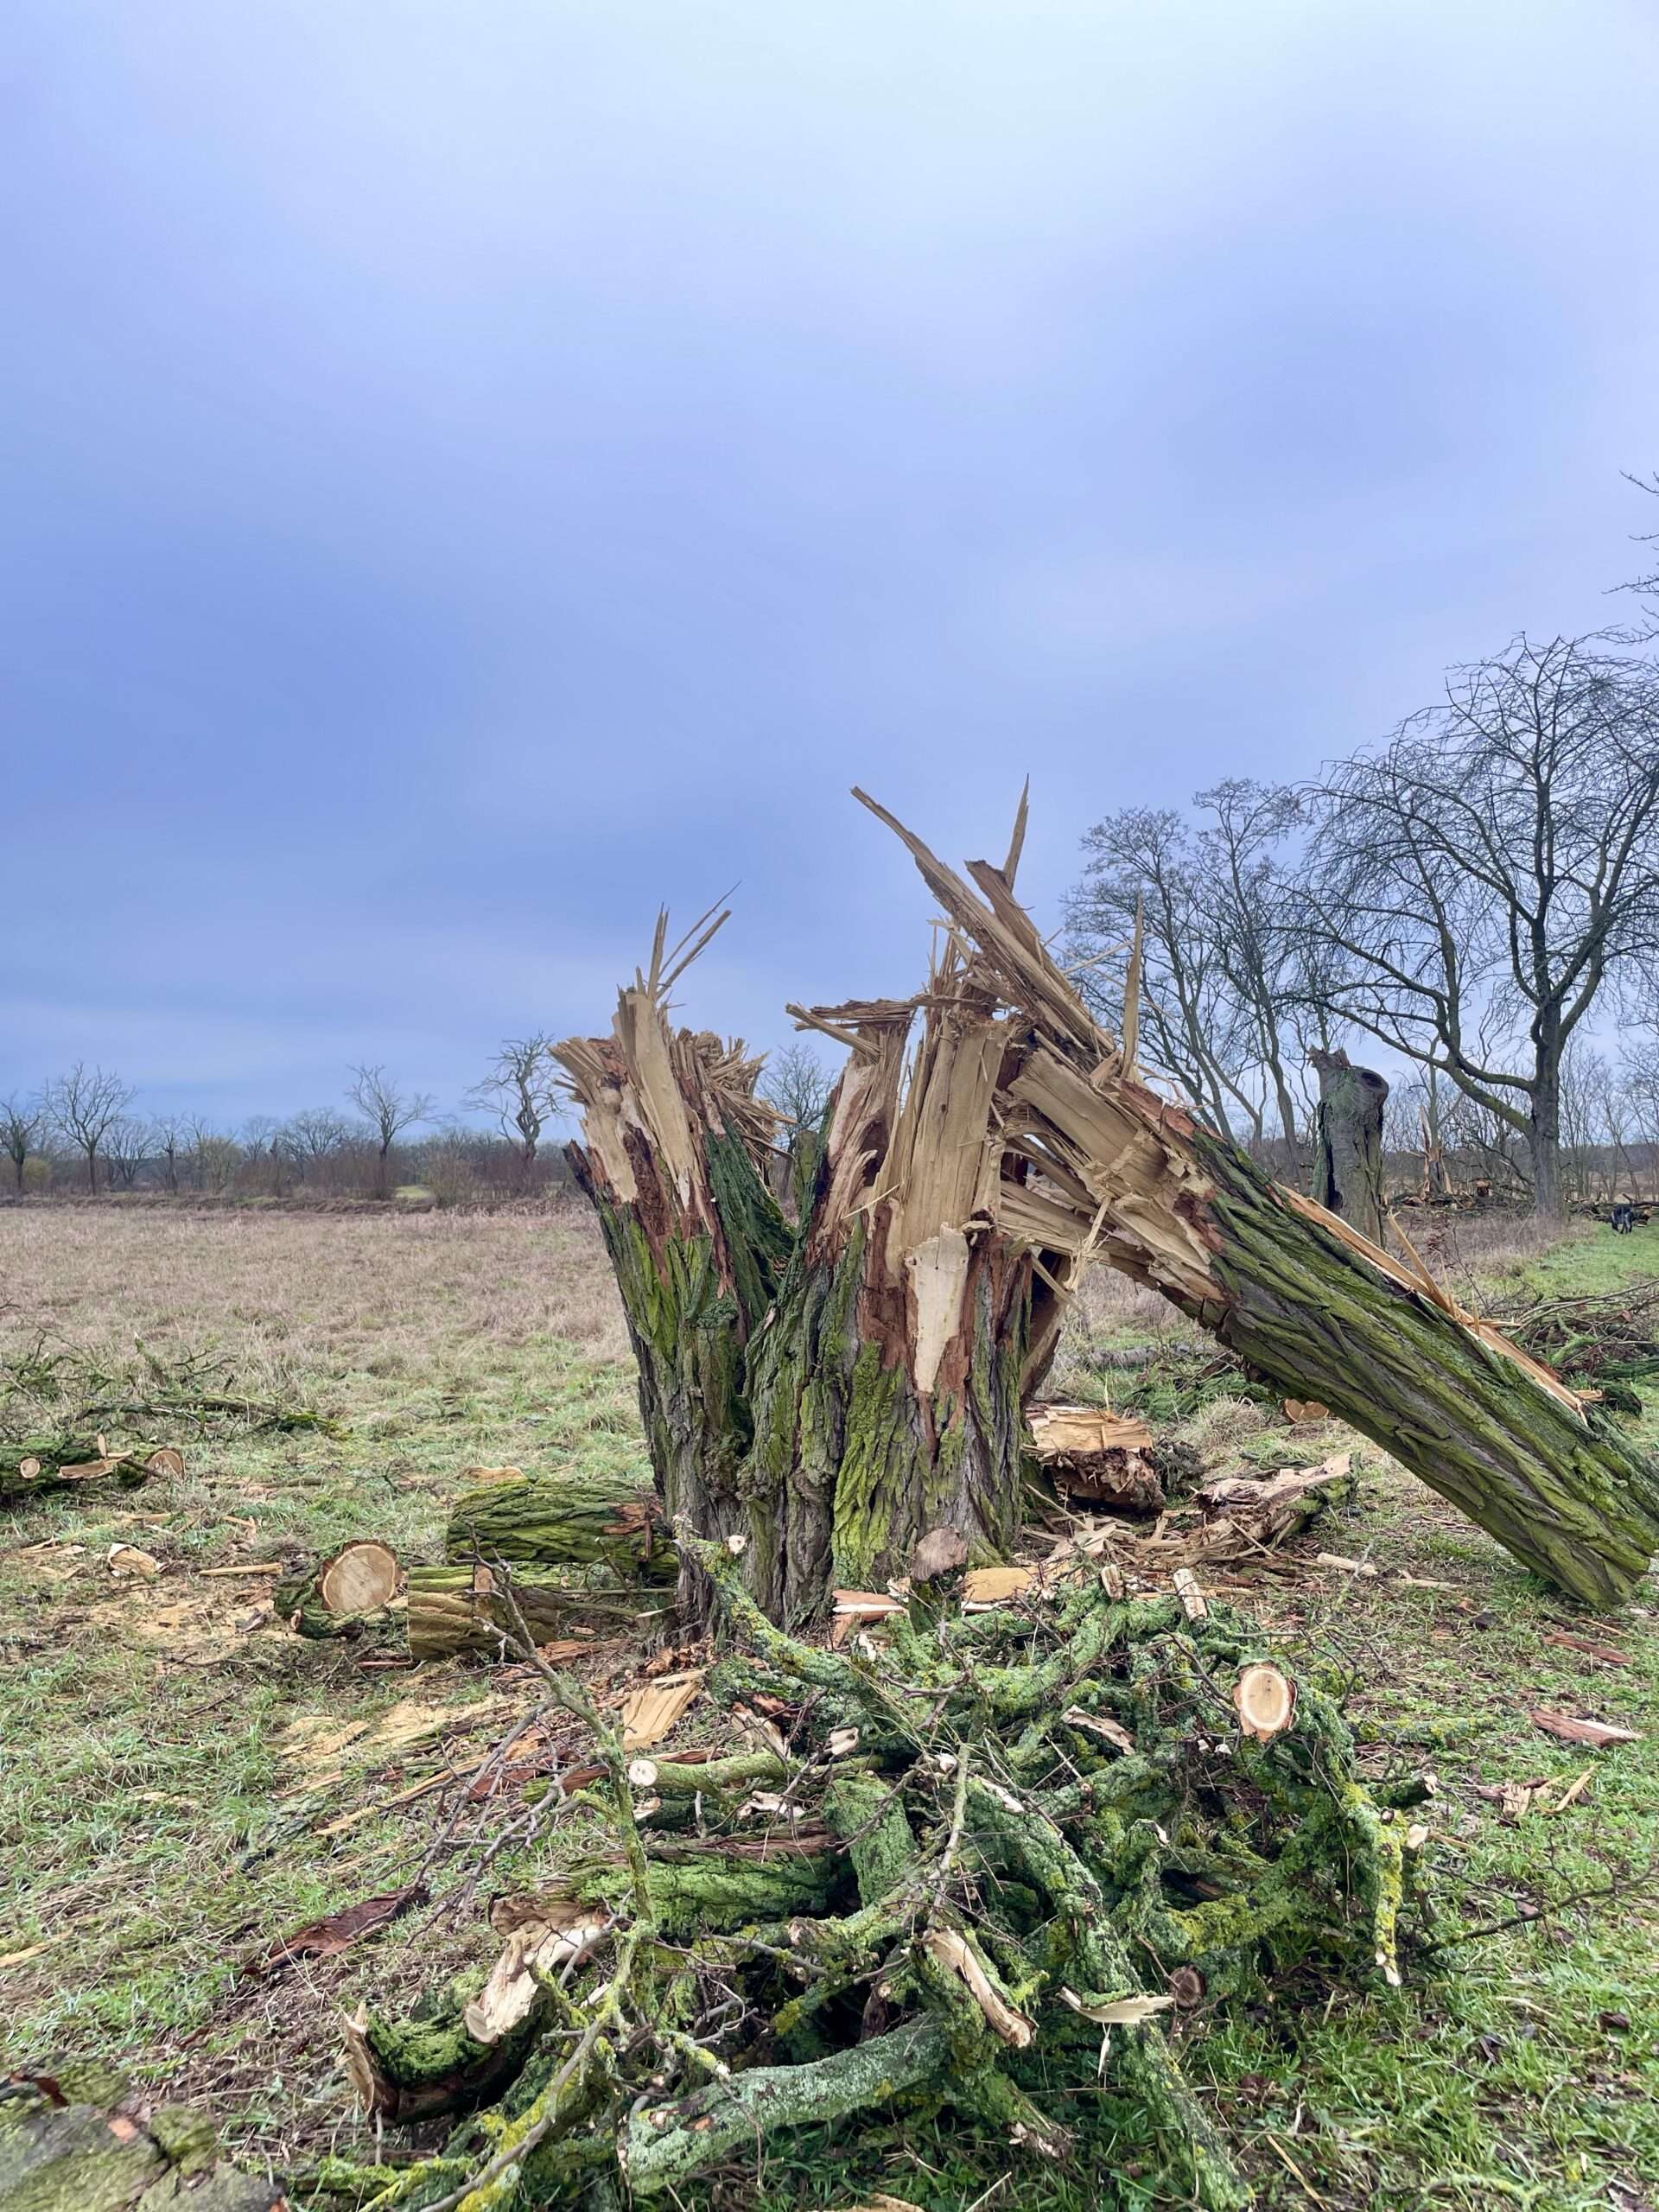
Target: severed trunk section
(830, 1390)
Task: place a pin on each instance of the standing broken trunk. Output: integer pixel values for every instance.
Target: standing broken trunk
(824, 1392)
(1348, 1164)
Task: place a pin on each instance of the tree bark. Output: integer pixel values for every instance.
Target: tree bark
(1348, 1173)
(1544, 1133)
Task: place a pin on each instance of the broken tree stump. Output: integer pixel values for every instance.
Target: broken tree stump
(825, 1393)
(1102, 1458)
(1348, 1164)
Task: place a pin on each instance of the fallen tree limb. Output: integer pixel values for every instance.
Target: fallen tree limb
(45, 1467)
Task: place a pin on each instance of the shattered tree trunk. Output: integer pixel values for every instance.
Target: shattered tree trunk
(1348, 1168)
(831, 1393)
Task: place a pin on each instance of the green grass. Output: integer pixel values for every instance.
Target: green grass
(156, 1830)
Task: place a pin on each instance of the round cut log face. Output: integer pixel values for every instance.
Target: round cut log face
(359, 1579)
(1265, 1701)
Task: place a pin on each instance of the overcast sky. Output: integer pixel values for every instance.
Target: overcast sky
(475, 471)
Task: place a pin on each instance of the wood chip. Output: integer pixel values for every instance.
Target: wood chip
(166, 1461)
(1120, 2012)
(1605, 1652)
(1597, 1734)
(127, 1559)
(1300, 1409)
(983, 1587)
(1574, 1791)
(1194, 1604)
(954, 1952)
(264, 1567)
(654, 1712)
(1100, 1724)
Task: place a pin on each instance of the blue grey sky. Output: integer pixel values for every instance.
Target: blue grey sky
(474, 471)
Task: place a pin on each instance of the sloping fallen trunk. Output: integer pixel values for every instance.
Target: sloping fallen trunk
(1314, 1306)
(830, 1391)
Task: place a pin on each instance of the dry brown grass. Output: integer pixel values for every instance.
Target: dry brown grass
(307, 1301)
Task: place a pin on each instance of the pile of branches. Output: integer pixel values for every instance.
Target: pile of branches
(1598, 1337)
(981, 1866)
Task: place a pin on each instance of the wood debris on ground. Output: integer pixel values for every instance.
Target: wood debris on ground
(1571, 1728)
(988, 1764)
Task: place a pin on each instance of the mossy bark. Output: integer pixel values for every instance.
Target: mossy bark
(852, 1461)
(454, 1609)
(1571, 1496)
(693, 1299)
(575, 1519)
(80, 2141)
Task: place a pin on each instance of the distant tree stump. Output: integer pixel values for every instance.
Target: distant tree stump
(1348, 1166)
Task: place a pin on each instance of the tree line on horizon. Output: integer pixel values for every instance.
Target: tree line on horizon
(1475, 901)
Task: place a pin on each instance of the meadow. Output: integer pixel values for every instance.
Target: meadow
(184, 1780)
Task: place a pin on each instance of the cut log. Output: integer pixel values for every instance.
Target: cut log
(454, 1609)
(579, 1519)
(356, 1588)
(360, 1578)
(82, 2141)
(1348, 1166)
(1264, 1699)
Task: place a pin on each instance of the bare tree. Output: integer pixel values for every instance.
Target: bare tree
(126, 1150)
(83, 1105)
(1192, 1028)
(311, 1137)
(169, 1144)
(388, 1111)
(796, 1083)
(1490, 868)
(215, 1157)
(1247, 894)
(519, 1091)
(22, 1123)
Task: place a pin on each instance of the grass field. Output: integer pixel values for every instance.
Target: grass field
(180, 1789)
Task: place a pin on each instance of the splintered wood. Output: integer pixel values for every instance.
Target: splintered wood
(656, 1711)
(1096, 1455)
